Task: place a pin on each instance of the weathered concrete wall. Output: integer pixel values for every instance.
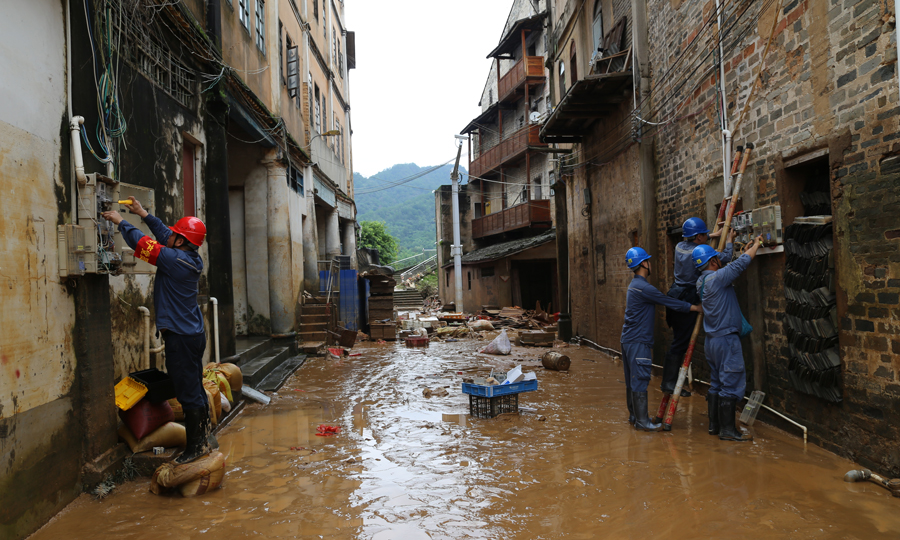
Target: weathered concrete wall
(40, 439)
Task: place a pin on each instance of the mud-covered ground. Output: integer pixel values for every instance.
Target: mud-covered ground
(410, 467)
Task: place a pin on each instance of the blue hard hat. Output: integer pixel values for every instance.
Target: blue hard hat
(702, 254)
(635, 256)
(692, 227)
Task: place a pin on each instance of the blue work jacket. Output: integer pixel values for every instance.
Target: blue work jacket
(640, 307)
(686, 274)
(177, 277)
(721, 313)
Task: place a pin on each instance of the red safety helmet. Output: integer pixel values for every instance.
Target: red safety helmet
(191, 228)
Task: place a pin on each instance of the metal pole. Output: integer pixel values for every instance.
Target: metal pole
(456, 247)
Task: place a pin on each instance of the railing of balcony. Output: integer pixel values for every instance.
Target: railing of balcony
(509, 148)
(530, 67)
(529, 214)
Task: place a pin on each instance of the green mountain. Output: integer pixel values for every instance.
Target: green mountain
(402, 197)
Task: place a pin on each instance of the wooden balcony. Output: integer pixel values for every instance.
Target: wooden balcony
(529, 70)
(509, 149)
(534, 214)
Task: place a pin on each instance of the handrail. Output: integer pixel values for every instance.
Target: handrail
(427, 263)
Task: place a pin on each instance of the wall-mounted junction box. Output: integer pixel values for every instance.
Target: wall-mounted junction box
(94, 245)
(765, 221)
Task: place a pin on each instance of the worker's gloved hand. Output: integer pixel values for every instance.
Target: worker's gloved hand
(112, 216)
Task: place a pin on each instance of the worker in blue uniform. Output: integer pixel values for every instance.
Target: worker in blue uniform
(178, 316)
(695, 233)
(637, 335)
(722, 322)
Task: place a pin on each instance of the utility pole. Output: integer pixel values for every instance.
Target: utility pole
(456, 246)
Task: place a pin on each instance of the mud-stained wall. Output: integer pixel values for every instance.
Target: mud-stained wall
(39, 472)
(829, 82)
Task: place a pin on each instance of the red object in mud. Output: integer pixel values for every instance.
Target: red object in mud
(417, 341)
(145, 417)
(556, 317)
(356, 354)
(327, 431)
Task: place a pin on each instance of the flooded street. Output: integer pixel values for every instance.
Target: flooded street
(409, 467)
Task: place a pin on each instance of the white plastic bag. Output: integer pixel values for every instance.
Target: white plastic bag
(500, 345)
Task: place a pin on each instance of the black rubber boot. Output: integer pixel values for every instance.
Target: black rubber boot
(712, 405)
(195, 422)
(641, 418)
(208, 428)
(630, 406)
(727, 429)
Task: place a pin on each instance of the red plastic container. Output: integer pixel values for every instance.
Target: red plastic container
(417, 341)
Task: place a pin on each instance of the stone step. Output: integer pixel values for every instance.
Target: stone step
(313, 318)
(247, 348)
(255, 370)
(275, 380)
(312, 336)
(313, 327)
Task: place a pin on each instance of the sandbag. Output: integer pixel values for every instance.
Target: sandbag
(204, 484)
(226, 405)
(500, 345)
(168, 435)
(145, 417)
(215, 375)
(172, 475)
(215, 403)
(481, 326)
(232, 373)
(177, 409)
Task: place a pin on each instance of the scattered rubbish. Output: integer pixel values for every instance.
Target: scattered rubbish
(336, 353)
(362, 336)
(536, 338)
(356, 354)
(451, 340)
(862, 475)
(256, 395)
(327, 431)
(555, 361)
(542, 419)
(751, 409)
(438, 392)
(527, 409)
(491, 407)
(158, 450)
(381, 342)
(500, 345)
(213, 400)
(481, 326)
(420, 332)
(160, 386)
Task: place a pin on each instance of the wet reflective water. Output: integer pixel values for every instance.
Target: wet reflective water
(409, 467)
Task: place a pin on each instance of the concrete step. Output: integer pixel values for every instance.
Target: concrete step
(314, 309)
(313, 327)
(275, 380)
(255, 370)
(247, 348)
(312, 336)
(313, 348)
(313, 318)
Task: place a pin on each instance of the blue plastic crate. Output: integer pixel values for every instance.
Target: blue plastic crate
(499, 389)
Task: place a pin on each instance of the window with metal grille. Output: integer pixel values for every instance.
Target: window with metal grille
(261, 25)
(244, 13)
(158, 64)
(295, 179)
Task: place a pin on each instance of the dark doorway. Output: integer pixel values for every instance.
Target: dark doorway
(536, 283)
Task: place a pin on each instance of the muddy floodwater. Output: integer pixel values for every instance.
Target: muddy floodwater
(409, 467)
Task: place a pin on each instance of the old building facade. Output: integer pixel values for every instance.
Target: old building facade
(197, 108)
(813, 86)
(506, 200)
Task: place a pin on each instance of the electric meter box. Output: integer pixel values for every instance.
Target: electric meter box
(767, 222)
(94, 245)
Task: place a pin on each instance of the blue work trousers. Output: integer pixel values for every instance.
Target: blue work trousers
(638, 362)
(726, 366)
(184, 362)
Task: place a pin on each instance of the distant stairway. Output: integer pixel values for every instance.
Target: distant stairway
(407, 299)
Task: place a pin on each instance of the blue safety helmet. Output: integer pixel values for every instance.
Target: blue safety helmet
(692, 227)
(635, 256)
(702, 254)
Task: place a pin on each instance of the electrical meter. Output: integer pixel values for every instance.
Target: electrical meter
(94, 245)
(742, 226)
(767, 222)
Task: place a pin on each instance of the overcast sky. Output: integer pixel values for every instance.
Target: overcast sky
(420, 69)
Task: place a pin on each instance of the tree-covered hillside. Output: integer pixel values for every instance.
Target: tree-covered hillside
(407, 208)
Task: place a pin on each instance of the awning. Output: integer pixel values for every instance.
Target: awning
(506, 249)
(487, 117)
(512, 40)
(324, 192)
(592, 98)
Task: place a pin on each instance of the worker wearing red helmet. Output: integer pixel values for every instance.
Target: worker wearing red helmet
(178, 316)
